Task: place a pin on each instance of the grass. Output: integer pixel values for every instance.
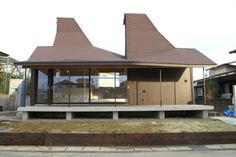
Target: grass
(122, 126)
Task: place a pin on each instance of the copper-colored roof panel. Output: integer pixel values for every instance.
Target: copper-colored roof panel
(70, 34)
(179, 56)
(51, 54)
(145, 45)
(142, 37)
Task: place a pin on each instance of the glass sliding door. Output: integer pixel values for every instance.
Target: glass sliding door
(121, 86)
(79, 90)
(102, 85)
(76, 85)
(42, 86)
(61, 83)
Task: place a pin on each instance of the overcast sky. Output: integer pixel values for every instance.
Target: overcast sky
(207, 25)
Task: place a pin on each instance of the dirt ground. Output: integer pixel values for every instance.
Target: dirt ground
(121, 126)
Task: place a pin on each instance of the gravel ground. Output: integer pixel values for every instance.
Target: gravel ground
(121, 126)
(10, 123)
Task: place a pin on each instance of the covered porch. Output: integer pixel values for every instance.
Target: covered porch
(126, 85)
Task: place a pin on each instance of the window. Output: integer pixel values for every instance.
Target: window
(42, 86)
(79, 89)
(61, 83)
(102, 85)
(82, 86)
(108, 86)
(121, 86)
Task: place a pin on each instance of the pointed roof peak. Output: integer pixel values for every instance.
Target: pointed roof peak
(142, 37)
(70, 34)
(67, 25)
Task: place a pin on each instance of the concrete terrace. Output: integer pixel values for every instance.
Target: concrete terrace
(200, 111)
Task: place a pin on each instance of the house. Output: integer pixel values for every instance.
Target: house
(219, 86)
(7, 71)
(152, 76)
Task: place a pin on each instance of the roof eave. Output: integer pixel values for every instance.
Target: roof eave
(106, 63)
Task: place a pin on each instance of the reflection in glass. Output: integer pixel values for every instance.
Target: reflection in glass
(121, 86)
(61, 84)
(75, 86)
(42, 86)
(102, 86)
(79, 91)
(108, 86)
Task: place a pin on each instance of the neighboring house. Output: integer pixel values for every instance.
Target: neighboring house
(7, 71)
(219, 86)
(152, 71)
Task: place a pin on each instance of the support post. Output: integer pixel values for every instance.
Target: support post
(25, 115)
(23, 91)
(204, 87)
(160, 114)
(115, 115)
(68, 116)
(234, 99)
(202, 114)
(160, 73)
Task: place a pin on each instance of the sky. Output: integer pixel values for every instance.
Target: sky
(207, 25)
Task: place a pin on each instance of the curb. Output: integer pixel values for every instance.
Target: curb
(117, 149)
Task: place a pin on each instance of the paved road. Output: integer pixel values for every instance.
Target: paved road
(209, 153)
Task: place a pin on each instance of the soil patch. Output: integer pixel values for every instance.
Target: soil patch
(122, 126)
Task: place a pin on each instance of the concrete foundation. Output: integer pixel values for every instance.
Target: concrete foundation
(115, 115)
(68, 115)
(202, 114)
(25, 115)
(200, 111)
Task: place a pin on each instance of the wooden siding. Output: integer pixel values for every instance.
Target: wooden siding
(145, 87)
(148, 93)
(183, 88)
(168, 93)
(132, 92)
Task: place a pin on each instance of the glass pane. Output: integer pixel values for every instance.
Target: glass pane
(121, 86)
(61, 84)
(42, 88)
(102, 85)
(79, 89)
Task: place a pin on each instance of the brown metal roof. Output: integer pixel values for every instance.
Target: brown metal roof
(145, 45)
(178, 56)
(71, 44)
(70, 34)
(142, 37)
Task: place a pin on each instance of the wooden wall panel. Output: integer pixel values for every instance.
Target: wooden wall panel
(168, 93)
(148, 93)
(183, 88)
(132, 92)
(144, 86)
